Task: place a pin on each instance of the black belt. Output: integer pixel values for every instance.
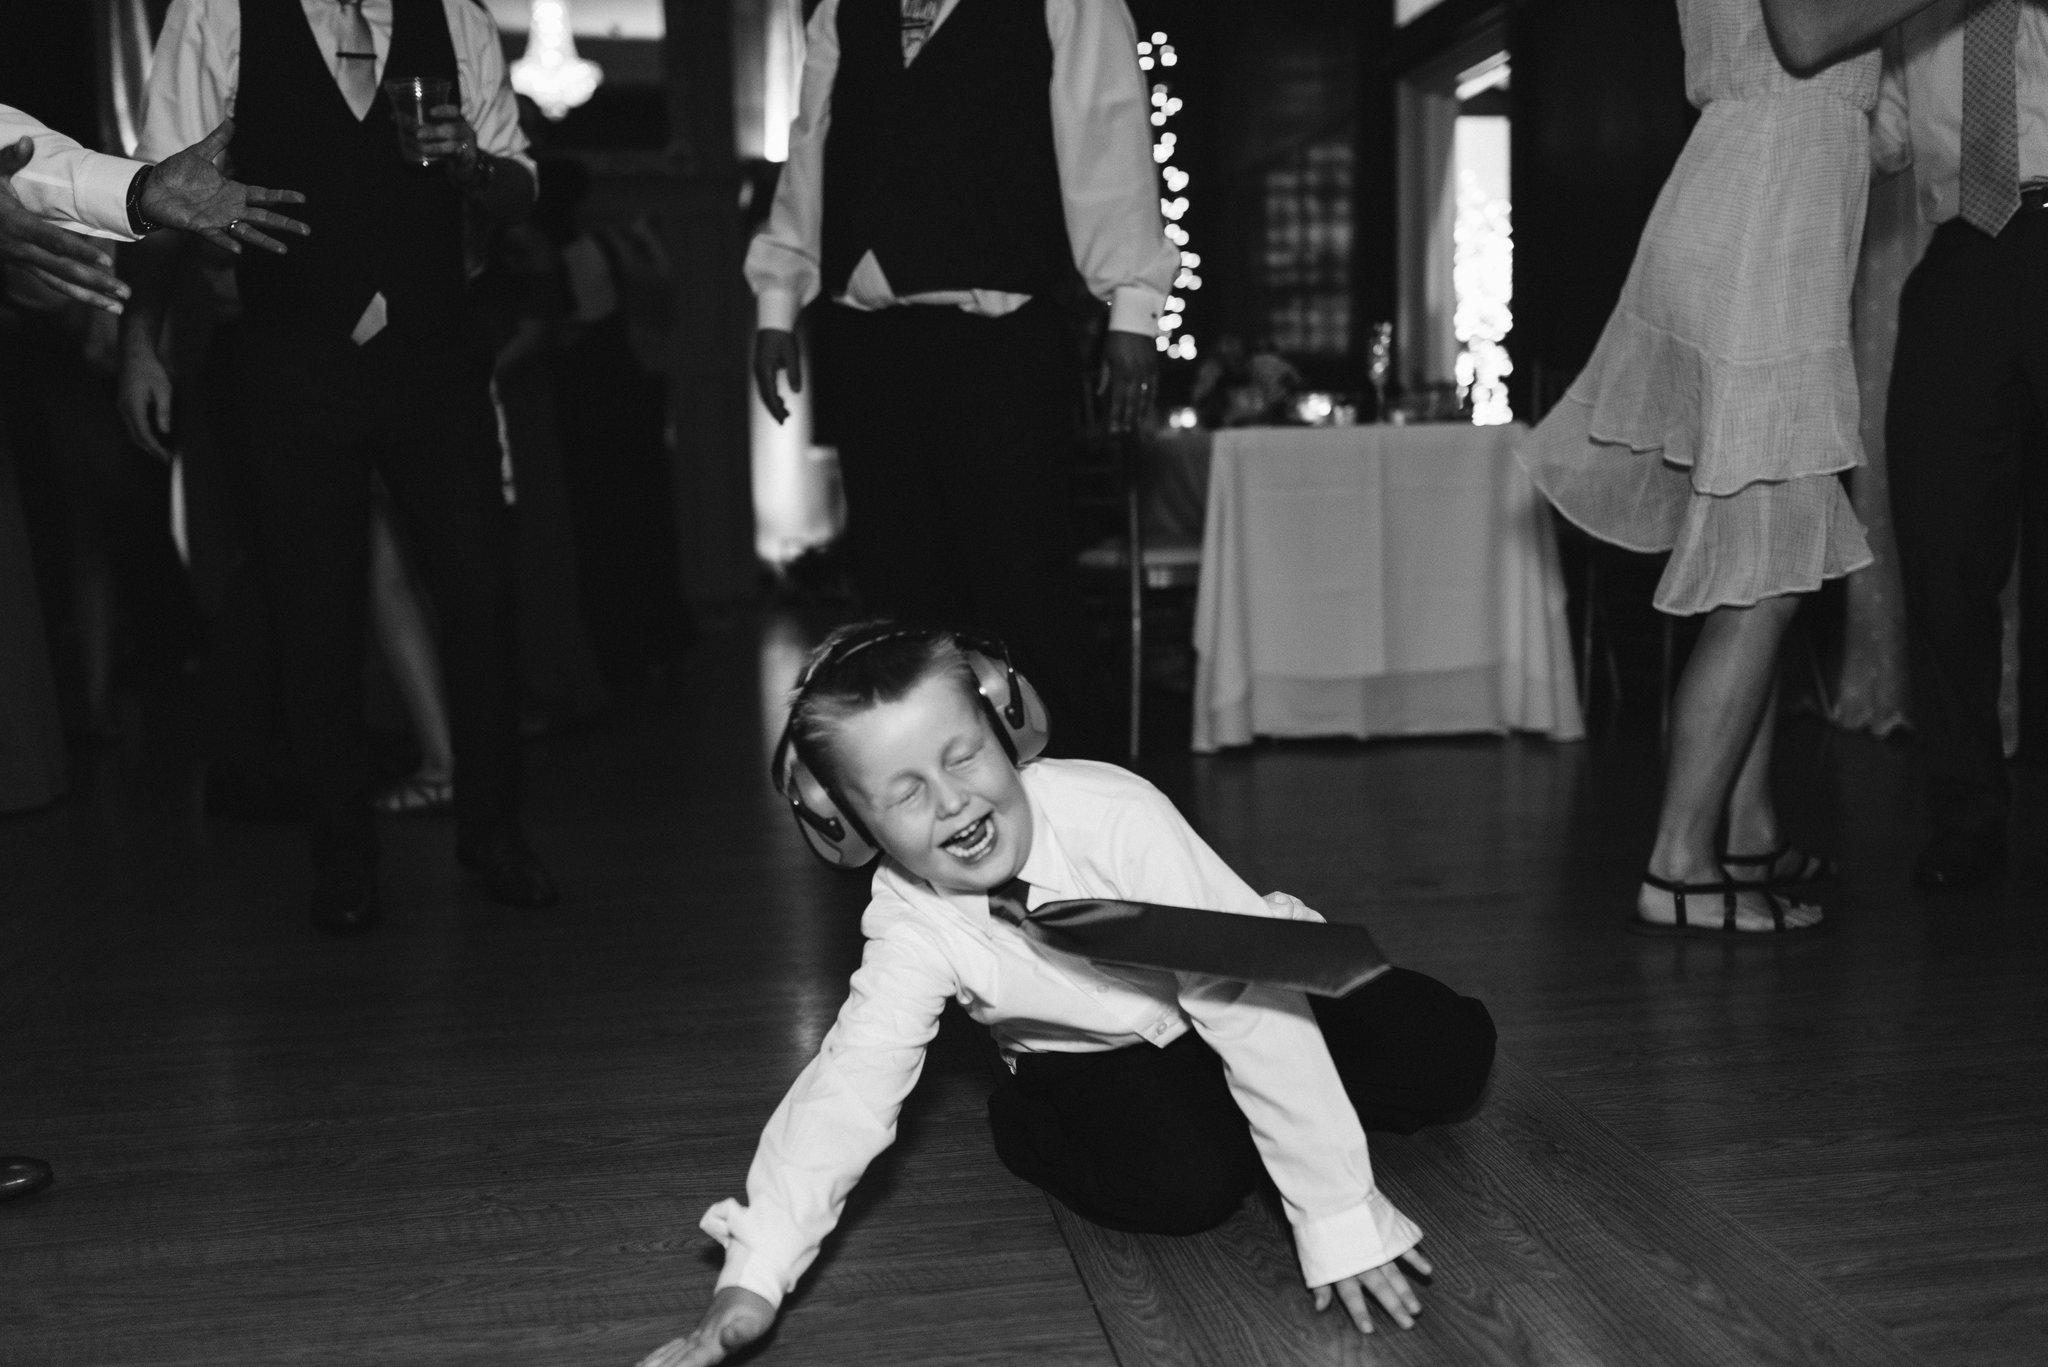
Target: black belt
(2034, 195)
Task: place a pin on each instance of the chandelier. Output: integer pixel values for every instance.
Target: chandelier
(550, 73)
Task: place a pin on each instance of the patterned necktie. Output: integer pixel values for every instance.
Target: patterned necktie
(1308, 956)
(1988, 186)
(355, 57)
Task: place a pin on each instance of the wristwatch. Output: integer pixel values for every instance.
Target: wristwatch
(139, 223)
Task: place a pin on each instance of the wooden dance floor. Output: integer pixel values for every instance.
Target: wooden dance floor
(484, 1136)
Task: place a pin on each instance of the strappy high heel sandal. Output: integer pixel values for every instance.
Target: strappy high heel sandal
(1729, 891)
(1805, 866)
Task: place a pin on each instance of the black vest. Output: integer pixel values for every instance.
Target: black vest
(378, 223)
(945, 169)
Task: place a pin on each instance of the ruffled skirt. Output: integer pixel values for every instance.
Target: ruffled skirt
(1720, 406)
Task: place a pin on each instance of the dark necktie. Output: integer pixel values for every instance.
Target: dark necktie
(1308, 956)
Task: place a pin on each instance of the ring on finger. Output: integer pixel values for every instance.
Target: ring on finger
(233, 224)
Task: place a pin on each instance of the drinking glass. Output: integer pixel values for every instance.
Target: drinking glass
(411, 97)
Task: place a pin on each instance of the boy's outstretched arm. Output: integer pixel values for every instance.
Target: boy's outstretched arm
(736, 1318)
(1386, 1284)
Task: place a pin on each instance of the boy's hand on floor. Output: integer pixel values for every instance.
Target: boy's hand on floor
(1387, 1286)
(736, 1318)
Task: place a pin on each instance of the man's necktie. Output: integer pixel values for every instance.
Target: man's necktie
(1308, 956)
(1988, 185)
(918, 18)
(355, 57)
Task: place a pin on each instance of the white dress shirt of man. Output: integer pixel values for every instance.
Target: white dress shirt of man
(1108, 182)
(197, 69)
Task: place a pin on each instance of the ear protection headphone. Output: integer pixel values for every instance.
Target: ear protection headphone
(1015, 713)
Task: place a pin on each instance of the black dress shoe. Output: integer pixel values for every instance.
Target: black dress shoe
(23, 1177)
(347, 905)
(1955, 860)
(510, 871)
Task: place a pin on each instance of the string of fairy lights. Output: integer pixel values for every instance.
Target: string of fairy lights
(1156, 55)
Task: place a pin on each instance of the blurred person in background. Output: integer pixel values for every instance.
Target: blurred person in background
(354, 356)
(54, 196)
(940, 219)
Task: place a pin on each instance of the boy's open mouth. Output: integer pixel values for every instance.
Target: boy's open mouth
(973, 841)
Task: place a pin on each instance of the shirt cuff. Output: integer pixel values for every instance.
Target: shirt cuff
(744, 1266)
(1134, 308)
(102, 188)
(1353, 1241)
(777, 308)
(749, 1273)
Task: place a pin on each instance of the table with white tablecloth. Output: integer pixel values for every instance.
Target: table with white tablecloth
(1378, 581)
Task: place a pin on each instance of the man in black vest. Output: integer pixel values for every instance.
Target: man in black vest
(954, 166)
(352, 357)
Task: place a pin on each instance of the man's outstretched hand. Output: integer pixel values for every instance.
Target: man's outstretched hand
(775, 352)
(65, 261)
(188, 191)
(1387, 1286)
(736, 1318)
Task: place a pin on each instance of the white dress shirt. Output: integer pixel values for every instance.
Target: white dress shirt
(198, 67)
(69, 185)
(1102, 139)
(1919, 116)
(1098, 831)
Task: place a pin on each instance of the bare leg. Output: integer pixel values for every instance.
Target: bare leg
(1752, 814)
(1722, 698)
(400, 621)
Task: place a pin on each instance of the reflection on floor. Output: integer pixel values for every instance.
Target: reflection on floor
(487, 1136)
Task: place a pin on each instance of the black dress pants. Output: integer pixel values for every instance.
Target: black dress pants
(956, 438)
(320, 415)
(1963, 435)
(1151, 1140)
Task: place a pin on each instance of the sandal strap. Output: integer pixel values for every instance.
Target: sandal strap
(1811, 865)
(1728, 888)
(1769, 861)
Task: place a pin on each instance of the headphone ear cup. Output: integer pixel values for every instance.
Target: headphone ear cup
(831, 836)
(1037, 729)
(1028, 736)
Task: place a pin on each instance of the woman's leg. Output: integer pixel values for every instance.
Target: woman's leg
(1140, 1138)
(408, 641)
(1722, 700)
(1752, 816)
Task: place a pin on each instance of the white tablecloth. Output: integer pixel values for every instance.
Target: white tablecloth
(1378, 581)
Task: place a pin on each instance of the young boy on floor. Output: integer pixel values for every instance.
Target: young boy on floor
(1145, 1100)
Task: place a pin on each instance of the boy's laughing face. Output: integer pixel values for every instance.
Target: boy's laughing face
(936, 788)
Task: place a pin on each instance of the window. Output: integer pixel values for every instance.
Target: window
(1308, 248)
(1456, 279)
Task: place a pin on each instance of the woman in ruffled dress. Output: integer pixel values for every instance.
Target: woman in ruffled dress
(1716, 416)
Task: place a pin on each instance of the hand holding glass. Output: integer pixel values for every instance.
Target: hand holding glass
(418, 103)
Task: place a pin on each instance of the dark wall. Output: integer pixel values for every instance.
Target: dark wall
(1599, 118)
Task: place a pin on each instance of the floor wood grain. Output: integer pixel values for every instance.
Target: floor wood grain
(1556, 1244)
